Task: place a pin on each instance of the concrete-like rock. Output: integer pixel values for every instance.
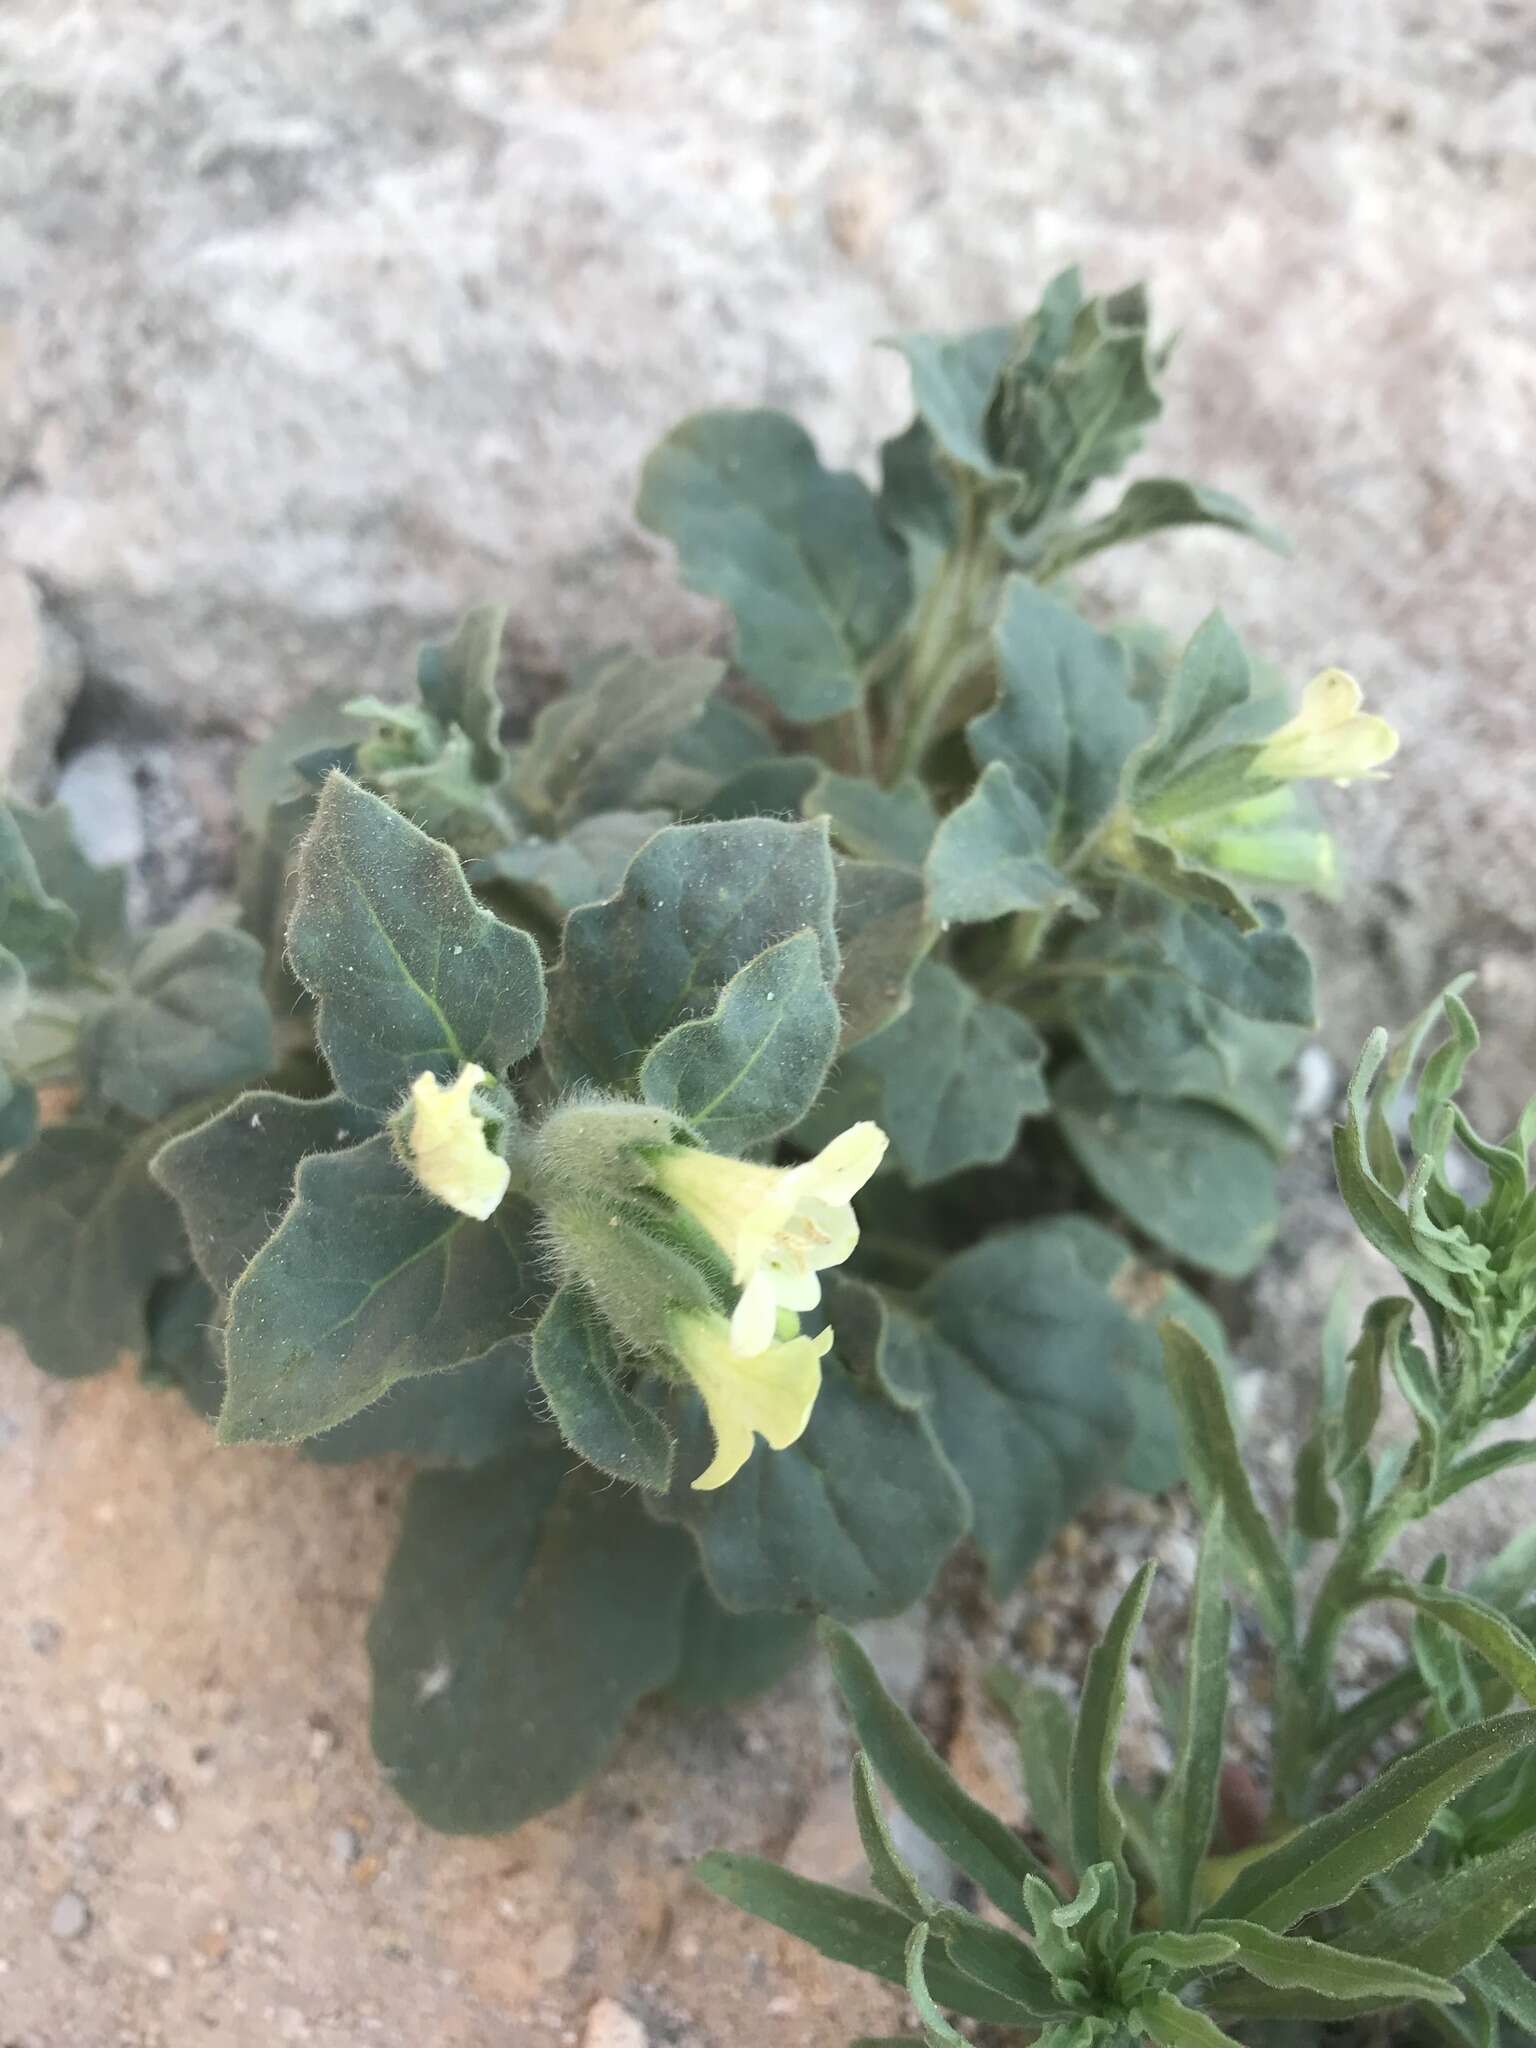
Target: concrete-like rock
(40, 674)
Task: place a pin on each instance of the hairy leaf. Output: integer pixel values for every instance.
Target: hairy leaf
(526, 1610)
(1193, 1178)
(1217, 1474)
(1065, 721)
(698, 904)
(35, 926)
(584, 865)
(409, 973)
(729, 1657)
(883, 931)
(1295, 1963)
(592, 748)
(843, 1926)
(855, 1518)
(84, 1233)
(983, 1846)
(190, 1020)
(97, 896)
(953, 378)
(950, 1079)
(583, 1378)
(1496, 1639)
(367, 1281)
(1326, 1861)
(888, 1873)
(232, 1177)
(457, 681)
(1098, 1828)
(1030, 1407)
(990, 856)
(464, 1418)
(754, 1067)
(1149, 506)
(796, 551)
(1187, 1808)
(874, 823)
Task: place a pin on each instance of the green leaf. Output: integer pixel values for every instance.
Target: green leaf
(855, 1518)
(953, 378)
(883, 932)
(1295, 1963)
(698, 904)
(1496, 1639)
(1098, 1830)
(583, 866)
(409, 973)
(366, 1281)
(1174, 2025)
(1149, 506)
(583, 1378)
(1196, 1180)
(981, 1844)
(593, 747)
(35, 925)
(1042, 1726)
(457, 681)
(722, 741)
(1329, 1859)
(1150, 944)
(889, 1875)
(990, 856)
(19, 1119)
(950, 1080)
(1208, 705)
(1032, 1409)
(463, 1418)
(1187, 1806)
(872, 823)
(844, 1927)
(191, 1019)
(731, 1657)
(1065, 721)
(1453, 1920)
(232, 1177)
(182, 1348)
(796, 551)
(526, 1610)
(754, 1067)
(774, 787)
(84, 1233)
(97, 896)
(1145, 1298)
(1217, 1473)
(1506, 1986)
(999, 1960)
(937, 2031)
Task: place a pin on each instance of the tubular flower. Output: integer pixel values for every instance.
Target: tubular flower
(446, 1145)
(770, 1395)
(1330, 736)
(778, 1226)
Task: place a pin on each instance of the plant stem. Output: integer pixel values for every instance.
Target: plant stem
(943, 644)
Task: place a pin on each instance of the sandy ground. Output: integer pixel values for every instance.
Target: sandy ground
(319, 323)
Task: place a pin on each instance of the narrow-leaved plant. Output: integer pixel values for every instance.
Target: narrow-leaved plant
(1397, 1872)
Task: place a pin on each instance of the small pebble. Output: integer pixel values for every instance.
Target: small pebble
(611, 2025)
(45, 1636)
(70, 1918)
(346, 1847)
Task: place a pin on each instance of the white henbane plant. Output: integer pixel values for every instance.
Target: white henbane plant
(782, 1084)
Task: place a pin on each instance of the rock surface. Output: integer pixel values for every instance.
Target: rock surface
(319, 321)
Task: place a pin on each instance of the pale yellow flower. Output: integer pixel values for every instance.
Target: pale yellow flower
(447, 1146)
(770, 1395)
(1330, 736)
(778, 1225)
